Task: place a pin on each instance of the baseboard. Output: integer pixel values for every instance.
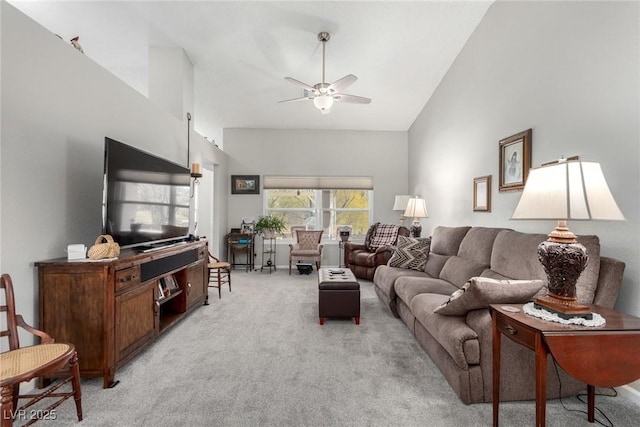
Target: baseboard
(631, 393)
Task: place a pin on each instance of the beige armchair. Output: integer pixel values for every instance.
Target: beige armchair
(308, 247)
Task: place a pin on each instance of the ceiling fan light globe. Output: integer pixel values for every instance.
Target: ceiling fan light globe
(323, 102)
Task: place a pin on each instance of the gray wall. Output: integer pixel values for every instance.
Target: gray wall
(57, 107)
(382, 155)
(568, 70)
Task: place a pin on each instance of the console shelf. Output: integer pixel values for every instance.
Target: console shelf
(111, 310)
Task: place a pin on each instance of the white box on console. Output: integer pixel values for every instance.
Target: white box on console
(76, 251)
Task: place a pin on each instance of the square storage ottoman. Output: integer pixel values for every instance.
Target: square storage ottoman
(338, 294)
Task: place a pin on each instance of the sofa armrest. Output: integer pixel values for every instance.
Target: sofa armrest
(350, 246)
(383, 249)
(383, 255)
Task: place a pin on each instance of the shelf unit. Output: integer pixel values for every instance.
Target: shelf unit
(111, 310)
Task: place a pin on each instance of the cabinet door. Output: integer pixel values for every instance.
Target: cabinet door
(136, 319)
(73, 309)
(196, 284)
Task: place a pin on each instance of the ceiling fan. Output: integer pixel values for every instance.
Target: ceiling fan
(323, 94)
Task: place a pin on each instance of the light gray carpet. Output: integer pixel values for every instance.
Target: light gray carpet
(258, 357)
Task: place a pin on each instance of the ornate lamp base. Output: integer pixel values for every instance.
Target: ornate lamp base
(416, 228)
(562, 308)
(563, 263)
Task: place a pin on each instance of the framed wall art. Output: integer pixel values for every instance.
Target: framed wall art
(515, 161)
(482, 194)
(245, 184)
(248, 228)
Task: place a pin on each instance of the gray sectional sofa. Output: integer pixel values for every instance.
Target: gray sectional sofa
(461, 345)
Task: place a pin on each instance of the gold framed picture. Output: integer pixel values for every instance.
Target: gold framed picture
(482, 194)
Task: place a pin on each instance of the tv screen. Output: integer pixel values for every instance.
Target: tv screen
(145, 199)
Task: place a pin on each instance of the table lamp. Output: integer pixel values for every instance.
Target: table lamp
(416, 208)
(561, 191)
(400, 204)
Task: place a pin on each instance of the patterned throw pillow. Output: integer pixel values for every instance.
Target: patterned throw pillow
(411, 253)
(479, 292)
(385, 234)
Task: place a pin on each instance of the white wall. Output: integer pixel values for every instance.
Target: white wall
(57, 107)
(570, 71)
(382, 155)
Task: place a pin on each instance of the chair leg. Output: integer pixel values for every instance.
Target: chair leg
(16, 396)
(8, 408)
(229, 278)
(219, 284)
(289, 266)
(75, 381)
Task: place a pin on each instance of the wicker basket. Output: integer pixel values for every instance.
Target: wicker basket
(104, 247)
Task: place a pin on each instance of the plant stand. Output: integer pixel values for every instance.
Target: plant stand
(268, 252)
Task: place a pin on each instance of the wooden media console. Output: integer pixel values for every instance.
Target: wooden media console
(111, 310)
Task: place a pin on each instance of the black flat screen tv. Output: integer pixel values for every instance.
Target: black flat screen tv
(145, 199)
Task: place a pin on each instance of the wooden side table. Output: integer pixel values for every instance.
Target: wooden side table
(605, 356)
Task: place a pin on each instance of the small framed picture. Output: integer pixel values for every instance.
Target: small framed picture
(247, 228)
(515, 161)
(482, 194)
(160, 291)
(245, 184)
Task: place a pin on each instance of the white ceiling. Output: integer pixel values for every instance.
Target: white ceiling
(241, 51)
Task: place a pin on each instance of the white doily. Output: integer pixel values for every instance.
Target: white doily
(553, 317)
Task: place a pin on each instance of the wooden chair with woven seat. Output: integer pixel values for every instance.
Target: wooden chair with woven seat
(21, 364)
(219, 273)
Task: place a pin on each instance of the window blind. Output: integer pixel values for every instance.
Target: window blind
(318, 182)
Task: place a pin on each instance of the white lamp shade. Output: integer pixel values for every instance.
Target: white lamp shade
(400, 203)
(416, 208)
(567, 190)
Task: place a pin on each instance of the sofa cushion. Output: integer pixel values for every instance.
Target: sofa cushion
(477, 244)
(385, 278)
(479, 292)
(515, 255)
(383, 235)
(407, 287)
(435, 262)
(459, 270)
(588, 281)
(410, 253)
(451, 332)
(445, 242)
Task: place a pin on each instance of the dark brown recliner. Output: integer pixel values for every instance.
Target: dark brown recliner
(363, 259)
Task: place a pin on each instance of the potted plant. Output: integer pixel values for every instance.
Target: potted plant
(269, 226)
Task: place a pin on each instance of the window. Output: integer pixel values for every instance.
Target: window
(322, 209)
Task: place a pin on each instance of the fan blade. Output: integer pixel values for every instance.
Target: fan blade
(304, 98)
(301, 84)
(353, 99)
(343, 83)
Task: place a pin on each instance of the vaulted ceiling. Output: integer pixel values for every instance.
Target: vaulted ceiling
(241, 51)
